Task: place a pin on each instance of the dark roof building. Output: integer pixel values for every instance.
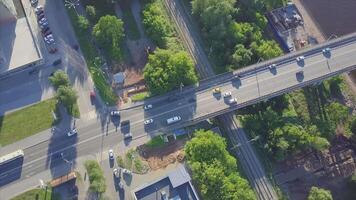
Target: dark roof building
(176, 186)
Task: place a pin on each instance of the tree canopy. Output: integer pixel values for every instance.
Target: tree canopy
(156, 24)
(214, 169)
(67, 96)
(109, 33)
(319, 194)
(167, 70)
(59, 78)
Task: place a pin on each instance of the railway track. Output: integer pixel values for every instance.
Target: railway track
(245, 153)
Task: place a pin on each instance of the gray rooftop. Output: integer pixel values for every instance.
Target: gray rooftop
(175, 186)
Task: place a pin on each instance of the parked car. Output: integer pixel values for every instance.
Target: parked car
(43, 21)
(49, 39)
(126, 171)
(216, 90)
(57, 62)
(39, 12)
(45, 34)
(40, 16)
(326, 50)
(34, 2)
(52, 50)
(117, 172)
(147, 107)
(121, 185)
(72, 132)
(232, 100)
(300, 58)
(39, 9)
(111, 154)
(148, 121)
(127, 136)
(44, 30)
(115, 113)
(227, 94)
(272, 66)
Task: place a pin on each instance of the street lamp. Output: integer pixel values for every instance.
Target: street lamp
(71, 4)
(331, 37)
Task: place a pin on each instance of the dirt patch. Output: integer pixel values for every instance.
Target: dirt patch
(161, 157)
(329, 169)
(333, 17)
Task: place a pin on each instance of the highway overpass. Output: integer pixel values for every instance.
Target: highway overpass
(255, 83)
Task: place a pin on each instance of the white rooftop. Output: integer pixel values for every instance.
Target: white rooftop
(17, 47)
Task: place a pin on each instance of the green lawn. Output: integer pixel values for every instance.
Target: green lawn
(89, 51)
(139, 96)
(156, 142)
(37, 194)
(26, 122)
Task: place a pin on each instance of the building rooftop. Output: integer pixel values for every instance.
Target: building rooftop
(17, 45)
(175, 186)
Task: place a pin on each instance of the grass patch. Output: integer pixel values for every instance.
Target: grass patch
(38, 194)
(139, 96)
(26, 122)
(131, 29)
(133, 162)
(120, 161)
(90, 53)
(156, 142)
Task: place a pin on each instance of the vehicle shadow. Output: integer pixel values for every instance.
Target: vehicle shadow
(62, 151)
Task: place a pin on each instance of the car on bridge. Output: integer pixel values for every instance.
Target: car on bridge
(174, 119)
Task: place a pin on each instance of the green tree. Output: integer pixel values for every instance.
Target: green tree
(319, 194)
(156, 25)
(91, 11)
(109, 33)
(167, 70)
(59, 78)
(353, 125)
(207, 147)
(242, 56)
(67, 96)
(267, 49)
(83, 23)
(320, 143)
(214, 169)
(337, 112)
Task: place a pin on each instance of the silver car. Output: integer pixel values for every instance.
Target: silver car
(148, 121)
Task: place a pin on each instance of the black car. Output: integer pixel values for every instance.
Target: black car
(57, 62)
(46, 33)
(45, 30)
(39, 17)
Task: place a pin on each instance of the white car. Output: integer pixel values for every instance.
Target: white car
(147, 107)
(326, 50)
(300, 58)
(111, 154)
(38, 9)
(117, 172)
(232, 100)
(173, 119)
(43, 21)
(272, 66)
(227, 94)
(127, 136)
(126, 171)
(49, 39)
(72, 132)
(115, 113)
(148, 121)
(121, 185)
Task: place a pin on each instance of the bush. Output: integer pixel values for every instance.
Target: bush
(319, 194)
(91, 11)
(353, 125)
(83, 23)
(96, 177)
